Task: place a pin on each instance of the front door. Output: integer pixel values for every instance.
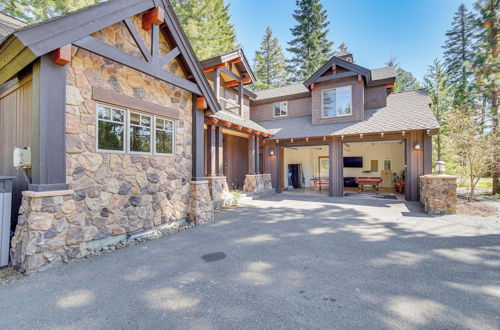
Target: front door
(235, 161)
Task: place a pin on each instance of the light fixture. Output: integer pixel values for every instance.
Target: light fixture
(417, 146)
(271, 152)
(440, 168)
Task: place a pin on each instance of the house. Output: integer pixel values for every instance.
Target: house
(129, 131)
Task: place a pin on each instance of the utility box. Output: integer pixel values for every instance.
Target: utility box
(6, 183)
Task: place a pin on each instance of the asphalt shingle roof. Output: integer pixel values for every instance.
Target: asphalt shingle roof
(404, 112)
(281, 91)
(383, 73)
(8, 25)
(237, 120)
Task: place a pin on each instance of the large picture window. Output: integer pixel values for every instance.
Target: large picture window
(336, 102)
(121, 130)
(280, 109)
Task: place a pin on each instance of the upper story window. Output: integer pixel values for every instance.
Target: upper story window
(336, 102)
(280, 109)
(146, 134)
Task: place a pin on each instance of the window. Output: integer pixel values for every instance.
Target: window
(140, 133)
(147, 134)
(336, 102)
(110, 129)
(164, 133)
(280, 109)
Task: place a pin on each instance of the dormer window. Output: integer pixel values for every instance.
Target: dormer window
(280, 109)
(336, 102)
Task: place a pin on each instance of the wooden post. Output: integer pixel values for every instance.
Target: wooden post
(279, 169)
(217, 84)
(48, 146)
(257, 155)
(251, 154)
(211, 151)
(219, 146)
(197, 142)
(240, 90)
(428, 154)
(336, 176)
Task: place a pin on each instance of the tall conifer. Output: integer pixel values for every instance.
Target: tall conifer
(270, 63)
(405, 81)
(32, 11)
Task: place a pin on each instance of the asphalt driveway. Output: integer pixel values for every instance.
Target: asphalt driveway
(287, 261)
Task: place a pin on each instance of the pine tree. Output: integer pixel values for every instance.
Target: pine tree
(438, 88)
(270, 63)
(32, 11)
(487, 69)
(459, 55)
(310, 46)
(207, 26)
(405, 81)
(342, 49)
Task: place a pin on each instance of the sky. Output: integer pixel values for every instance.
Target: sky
(374, 30)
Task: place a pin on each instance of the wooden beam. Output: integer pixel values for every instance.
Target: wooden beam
(232, 83)
(155, 42)
(390, 85)
(110, 97)
(336, 76)
(248, 130)
(201, 103)
(218, 66)
(334, 68)
(137, 38)
(212, 120)
(236, 60)
(360, 78)
(231, 74)
(238, 127)
(197, 143)
(155, 16)
(169, 57)
(246, 80)
(101, 48)
(62, 56)
(313, 87)
(225, 123)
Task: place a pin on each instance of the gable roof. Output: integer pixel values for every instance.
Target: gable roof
(244, 66)
(9, 24)
(26, 44)
(373, 77)
(405, 111)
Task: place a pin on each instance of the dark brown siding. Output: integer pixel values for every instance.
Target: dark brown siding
(15, 131)
(235, 160)
(296, 108)
(375, 97)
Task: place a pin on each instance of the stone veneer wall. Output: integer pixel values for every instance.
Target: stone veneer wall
(111, 193)
(219, 192)
(438, 193)
(258, 184)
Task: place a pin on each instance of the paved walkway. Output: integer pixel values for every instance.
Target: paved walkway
(285, 262)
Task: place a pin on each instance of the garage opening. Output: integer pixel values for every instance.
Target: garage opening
(374, 169)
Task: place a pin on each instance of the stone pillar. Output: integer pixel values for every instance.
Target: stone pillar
(251, 154)
(219, 191)
(219, 151)
(438, 193)
(211, 151)
(201, 209)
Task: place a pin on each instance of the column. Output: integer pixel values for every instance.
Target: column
(219, 151)
(336, 176)
(48, 142)
(257, 155)
(198, 172)
(240, 90)
(211, 151)
(251, 154)
(279, 170)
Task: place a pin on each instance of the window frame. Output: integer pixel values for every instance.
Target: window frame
(126, 132)
(129, 125)
(322, 101)
(286, 112)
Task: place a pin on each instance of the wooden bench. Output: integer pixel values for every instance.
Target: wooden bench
(369, 181)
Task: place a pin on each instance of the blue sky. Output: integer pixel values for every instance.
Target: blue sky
(411, 30)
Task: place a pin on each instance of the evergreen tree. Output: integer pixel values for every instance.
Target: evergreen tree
(459, 55)
(270, 63)
(32, 11)
(438, 88)
(487, 69)
(207, 26)
(405, 81)
(310, 47)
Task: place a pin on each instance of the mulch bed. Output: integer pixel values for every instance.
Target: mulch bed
(476, 208)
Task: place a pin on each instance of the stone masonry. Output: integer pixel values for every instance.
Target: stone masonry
(258, 184)
(438, 193)
(201, 209)
(219, 191)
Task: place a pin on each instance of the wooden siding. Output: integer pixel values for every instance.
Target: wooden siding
(15, 131)
(375, 97)
(235, 160)
(296, 108)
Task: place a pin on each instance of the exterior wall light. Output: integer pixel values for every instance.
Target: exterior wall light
(440, 168)
(417, 146)
(271, 152)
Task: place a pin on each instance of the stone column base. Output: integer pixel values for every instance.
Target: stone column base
(258, 184)
(201, 209)
(219, 190)
(46, 234)
(438, 193)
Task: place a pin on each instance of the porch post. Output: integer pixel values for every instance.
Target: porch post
(198, 173)
(279, 159)
(240, 90)
(219, 151)
(336, 184)
(217, 84)
(211, 151)
(428, 154)
(48, 142)
(251, 154)
(257, 155)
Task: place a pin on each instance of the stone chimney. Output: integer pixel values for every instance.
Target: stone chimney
(346, 57)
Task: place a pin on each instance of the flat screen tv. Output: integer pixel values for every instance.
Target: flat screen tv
(353, 161)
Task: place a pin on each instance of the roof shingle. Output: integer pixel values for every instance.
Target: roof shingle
(8, 25)
(404, 112)
(281, 91)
